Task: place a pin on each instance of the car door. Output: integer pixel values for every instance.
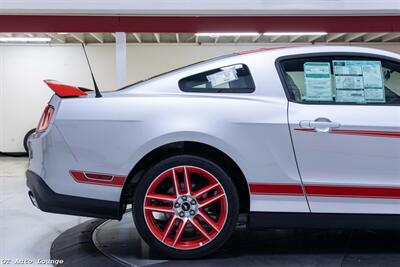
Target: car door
(344, 118)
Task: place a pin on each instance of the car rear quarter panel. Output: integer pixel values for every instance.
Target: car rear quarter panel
(111, 134)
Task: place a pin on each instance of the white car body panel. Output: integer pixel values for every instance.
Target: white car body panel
(339, 159)
(111, 134)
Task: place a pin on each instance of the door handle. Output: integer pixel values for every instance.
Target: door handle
(322, 125)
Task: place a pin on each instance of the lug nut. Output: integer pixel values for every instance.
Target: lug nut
(181, 214)
(177, 205)
(192, 212)
(193, 202)
(184, 198)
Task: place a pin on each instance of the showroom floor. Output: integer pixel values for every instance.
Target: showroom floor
(117, 243)
(25, 232)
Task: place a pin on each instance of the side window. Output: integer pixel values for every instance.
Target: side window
(342, 80)
(229, 79)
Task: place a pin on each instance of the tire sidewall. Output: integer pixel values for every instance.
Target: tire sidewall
(189, 160)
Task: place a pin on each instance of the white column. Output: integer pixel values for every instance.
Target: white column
(120, 58)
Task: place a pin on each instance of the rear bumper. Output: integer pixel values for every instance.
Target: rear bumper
(49, 201)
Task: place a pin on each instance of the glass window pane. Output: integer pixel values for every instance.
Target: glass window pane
(342, 80)
(229, 79)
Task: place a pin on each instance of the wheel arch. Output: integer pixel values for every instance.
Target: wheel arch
(192, 148)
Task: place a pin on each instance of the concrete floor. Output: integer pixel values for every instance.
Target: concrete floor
(26, 233)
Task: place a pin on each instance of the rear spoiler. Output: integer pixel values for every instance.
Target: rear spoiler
(64, 90)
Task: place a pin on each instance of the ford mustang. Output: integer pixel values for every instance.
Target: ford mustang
(271, 138)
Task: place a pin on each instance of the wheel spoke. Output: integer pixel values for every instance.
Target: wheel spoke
(169, 226)
(179, 232)
(175, 182)
(205, 189)
(200, 229)
(208, 220)
(161, 197)
(211, 200)
(159, 209)
(186, 178)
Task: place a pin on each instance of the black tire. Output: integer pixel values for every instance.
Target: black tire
(223, 179)
(28, 134)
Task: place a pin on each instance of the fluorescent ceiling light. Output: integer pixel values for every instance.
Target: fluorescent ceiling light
(62, 33)
(212, 34)
(25, 39)
(294, 33)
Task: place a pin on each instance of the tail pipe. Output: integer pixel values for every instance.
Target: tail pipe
(33, 199)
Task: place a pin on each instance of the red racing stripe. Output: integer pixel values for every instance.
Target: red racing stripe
(358, 132)
(368, 133)
(98, 178)
(325, 190)
(352, 191)
(276, 189)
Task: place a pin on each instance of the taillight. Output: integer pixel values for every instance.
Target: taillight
(45, 119)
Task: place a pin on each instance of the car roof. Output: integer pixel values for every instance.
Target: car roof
(273, 52)
(304, 49)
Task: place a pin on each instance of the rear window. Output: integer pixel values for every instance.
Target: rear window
(229, 79)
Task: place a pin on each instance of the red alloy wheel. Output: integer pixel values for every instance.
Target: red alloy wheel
(185, 207)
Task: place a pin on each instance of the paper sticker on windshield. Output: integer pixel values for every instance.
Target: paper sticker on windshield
(318, 83)
(221, 77)
(349, 82)
(372, 74)
(375, 95)
(346, 67)
(362, 75)
(356, 96)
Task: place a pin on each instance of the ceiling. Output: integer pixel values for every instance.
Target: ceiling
(191, 38)
(192, 24)
(204, 7)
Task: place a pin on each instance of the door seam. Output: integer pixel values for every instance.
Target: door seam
(295, 158)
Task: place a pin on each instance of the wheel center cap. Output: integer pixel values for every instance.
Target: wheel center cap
(186, 206)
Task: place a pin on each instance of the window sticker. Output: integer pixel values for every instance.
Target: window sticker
(373, 81)
(356, 96)
(342, 67)
(372, 74)
(318, 83)
(352, 82)
(358, 81)
(224, 76)
(375, 95)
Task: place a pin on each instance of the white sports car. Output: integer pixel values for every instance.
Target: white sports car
(287, 137)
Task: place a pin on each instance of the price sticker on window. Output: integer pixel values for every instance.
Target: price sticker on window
(221, 77)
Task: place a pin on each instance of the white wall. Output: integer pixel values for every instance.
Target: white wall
(23, 95)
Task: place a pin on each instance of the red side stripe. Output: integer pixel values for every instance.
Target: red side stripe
(326, 191)
(276, 189)
(358, 132)
(352, 191)
(98, 178)
(368, 133)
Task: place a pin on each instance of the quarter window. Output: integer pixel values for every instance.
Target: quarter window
(342, 80)
(229, 79)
